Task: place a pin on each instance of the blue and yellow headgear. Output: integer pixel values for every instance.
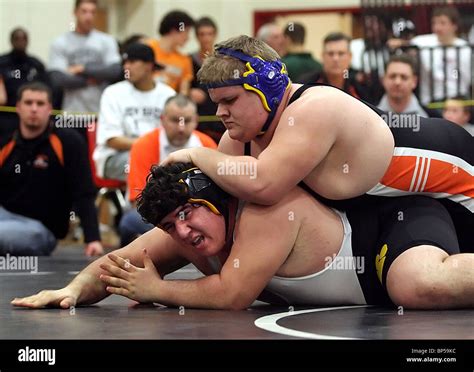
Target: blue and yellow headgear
(269, 79)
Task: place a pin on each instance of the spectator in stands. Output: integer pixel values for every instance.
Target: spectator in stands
(298, 61)
(336, 66)
(18, 68)
(43, 171)
(444, 23)
(179, 121)
(370, 54)
(84, 61)
(403, 30)
(400, 81)
(128, 110)
(271, 34)
(132, 39)
(458, 111)
(206, 33)
(174, 30)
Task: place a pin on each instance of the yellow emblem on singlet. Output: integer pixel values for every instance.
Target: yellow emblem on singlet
(380, 260)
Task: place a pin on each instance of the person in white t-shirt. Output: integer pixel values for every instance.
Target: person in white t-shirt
(444, 23)
(128, 110)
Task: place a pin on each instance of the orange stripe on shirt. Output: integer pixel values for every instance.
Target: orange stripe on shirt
(400, 172)
(57, 147)
(5, 151)
(446, 177)
(443, 177)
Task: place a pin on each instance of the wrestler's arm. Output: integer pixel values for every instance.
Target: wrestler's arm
(306, 132)
(264, 239)
(87, 288)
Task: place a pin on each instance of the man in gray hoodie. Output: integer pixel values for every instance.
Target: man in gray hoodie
(84, 61)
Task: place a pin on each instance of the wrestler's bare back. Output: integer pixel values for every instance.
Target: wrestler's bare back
(349, 145)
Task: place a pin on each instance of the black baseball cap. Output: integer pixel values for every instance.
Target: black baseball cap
(141, 52)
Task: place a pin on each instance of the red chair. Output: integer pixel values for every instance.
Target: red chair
(105, 186)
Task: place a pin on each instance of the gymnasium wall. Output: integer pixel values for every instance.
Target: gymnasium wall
(46, 19)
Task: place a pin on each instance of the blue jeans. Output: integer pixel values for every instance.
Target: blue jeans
(23, 236)
(115, 166)
(131, 226)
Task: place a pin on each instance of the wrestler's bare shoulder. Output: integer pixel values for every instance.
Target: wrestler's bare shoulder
(328, 104)
(362, 146)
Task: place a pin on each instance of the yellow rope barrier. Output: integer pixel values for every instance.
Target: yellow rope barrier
(202, 118)
(207, 118)
(436, 105)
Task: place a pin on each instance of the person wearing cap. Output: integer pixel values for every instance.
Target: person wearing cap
(129, 109)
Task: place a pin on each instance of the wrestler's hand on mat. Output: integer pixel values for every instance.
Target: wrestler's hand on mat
(94, 249)
(136, 283)
(184, 156)
(64, 298)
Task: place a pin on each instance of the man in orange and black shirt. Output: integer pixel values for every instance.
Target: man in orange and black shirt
(44, 174)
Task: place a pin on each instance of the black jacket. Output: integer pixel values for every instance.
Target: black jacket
(35, 182)
(17, 69)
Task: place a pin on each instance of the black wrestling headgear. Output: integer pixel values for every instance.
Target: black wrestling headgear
(200, 189)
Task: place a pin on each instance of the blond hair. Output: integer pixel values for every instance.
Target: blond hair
(218, 67)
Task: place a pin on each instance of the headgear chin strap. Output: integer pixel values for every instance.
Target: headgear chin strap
(269, 79)
(202, 190)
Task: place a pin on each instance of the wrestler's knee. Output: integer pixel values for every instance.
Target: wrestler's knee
(416, 278)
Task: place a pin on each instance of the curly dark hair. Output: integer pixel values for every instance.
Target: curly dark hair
(174, 20)
(162, 194)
